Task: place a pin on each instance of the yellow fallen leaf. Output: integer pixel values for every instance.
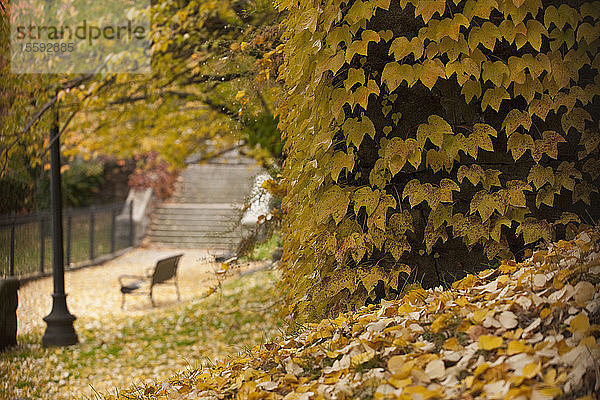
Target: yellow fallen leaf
(479, 315)
(489, 342)
(399, 383)
(532, 369)
(395, 363)
(516, 347)
(452, 344)
(440, 323)
(480, 369)
(580, 323)
(361, 358)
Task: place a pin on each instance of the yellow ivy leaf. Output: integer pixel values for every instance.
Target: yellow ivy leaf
(365, 197)
(514, 119)
(432, 70)
(354, 76)
(493, 98)
(548, 145)
(394, 73)
(471, 89)
(333, 202)
(434, 130)
(539, 176)
(400, 222)
(340, 161)
(518, 144)
(426, 8)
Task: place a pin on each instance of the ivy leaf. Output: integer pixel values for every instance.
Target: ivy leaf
(540, 107)
(592, 167)
(474, 173)
(333, 202)
(340, 161)
(355, 130)
(539, 176)
(486, 203)
(545, 195)
(356, 47)
(354, 76)
(534, 33)
(443, 213)
(400, 223)
(548, 145)
(415, 192)
(516, 195)
(518, 144)
(378, 218)
(445, 189)
(339, 97)
(432, 235)
(432, 70)
(394, 73)
(426, 8)
(590, 140)
(471, 89)
(514, 119)
(396, 245)
(434, 130)
(365, 197)
(533, 230)
(414, 152)
(362, 93)
(575, 119)
(495, 72)
(438, 159)
(583, 191)
(359, 10)
(395, 155)
(493, 98)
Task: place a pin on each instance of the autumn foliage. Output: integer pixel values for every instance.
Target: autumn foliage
(425, 138)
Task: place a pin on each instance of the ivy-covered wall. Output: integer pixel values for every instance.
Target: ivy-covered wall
(427, 137)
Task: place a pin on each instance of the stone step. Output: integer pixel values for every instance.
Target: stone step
(192, 227)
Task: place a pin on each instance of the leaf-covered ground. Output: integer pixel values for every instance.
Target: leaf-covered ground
(522, 331)
(125, 351)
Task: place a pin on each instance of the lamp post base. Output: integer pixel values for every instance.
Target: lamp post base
(60, 330)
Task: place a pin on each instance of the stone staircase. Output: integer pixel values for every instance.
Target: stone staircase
(204, 211)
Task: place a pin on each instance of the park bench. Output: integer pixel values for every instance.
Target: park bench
(165, 272)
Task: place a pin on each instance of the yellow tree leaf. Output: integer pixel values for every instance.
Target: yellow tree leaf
(539, 176)
(548, 145)
(396, 245)
(340, 161)
(333, 202)
(400, 223)
(518, 144)
(432, 70)
(365, 197)
(434, 130)
(516, 196)
(354, 76)
(493, 98)
(394, 73)
(514, 119)
(426, 8)
(474, 173)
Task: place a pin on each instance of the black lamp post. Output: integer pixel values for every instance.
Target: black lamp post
(59, 329)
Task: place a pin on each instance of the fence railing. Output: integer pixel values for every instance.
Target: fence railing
(89, 234)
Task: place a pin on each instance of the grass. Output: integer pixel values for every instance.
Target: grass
(118, 353)
(263, 251)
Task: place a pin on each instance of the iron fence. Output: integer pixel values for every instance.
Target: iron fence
(89, 234)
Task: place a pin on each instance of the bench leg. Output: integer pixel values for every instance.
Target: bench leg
(151, 299)
(177, 288)
(122, 300)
